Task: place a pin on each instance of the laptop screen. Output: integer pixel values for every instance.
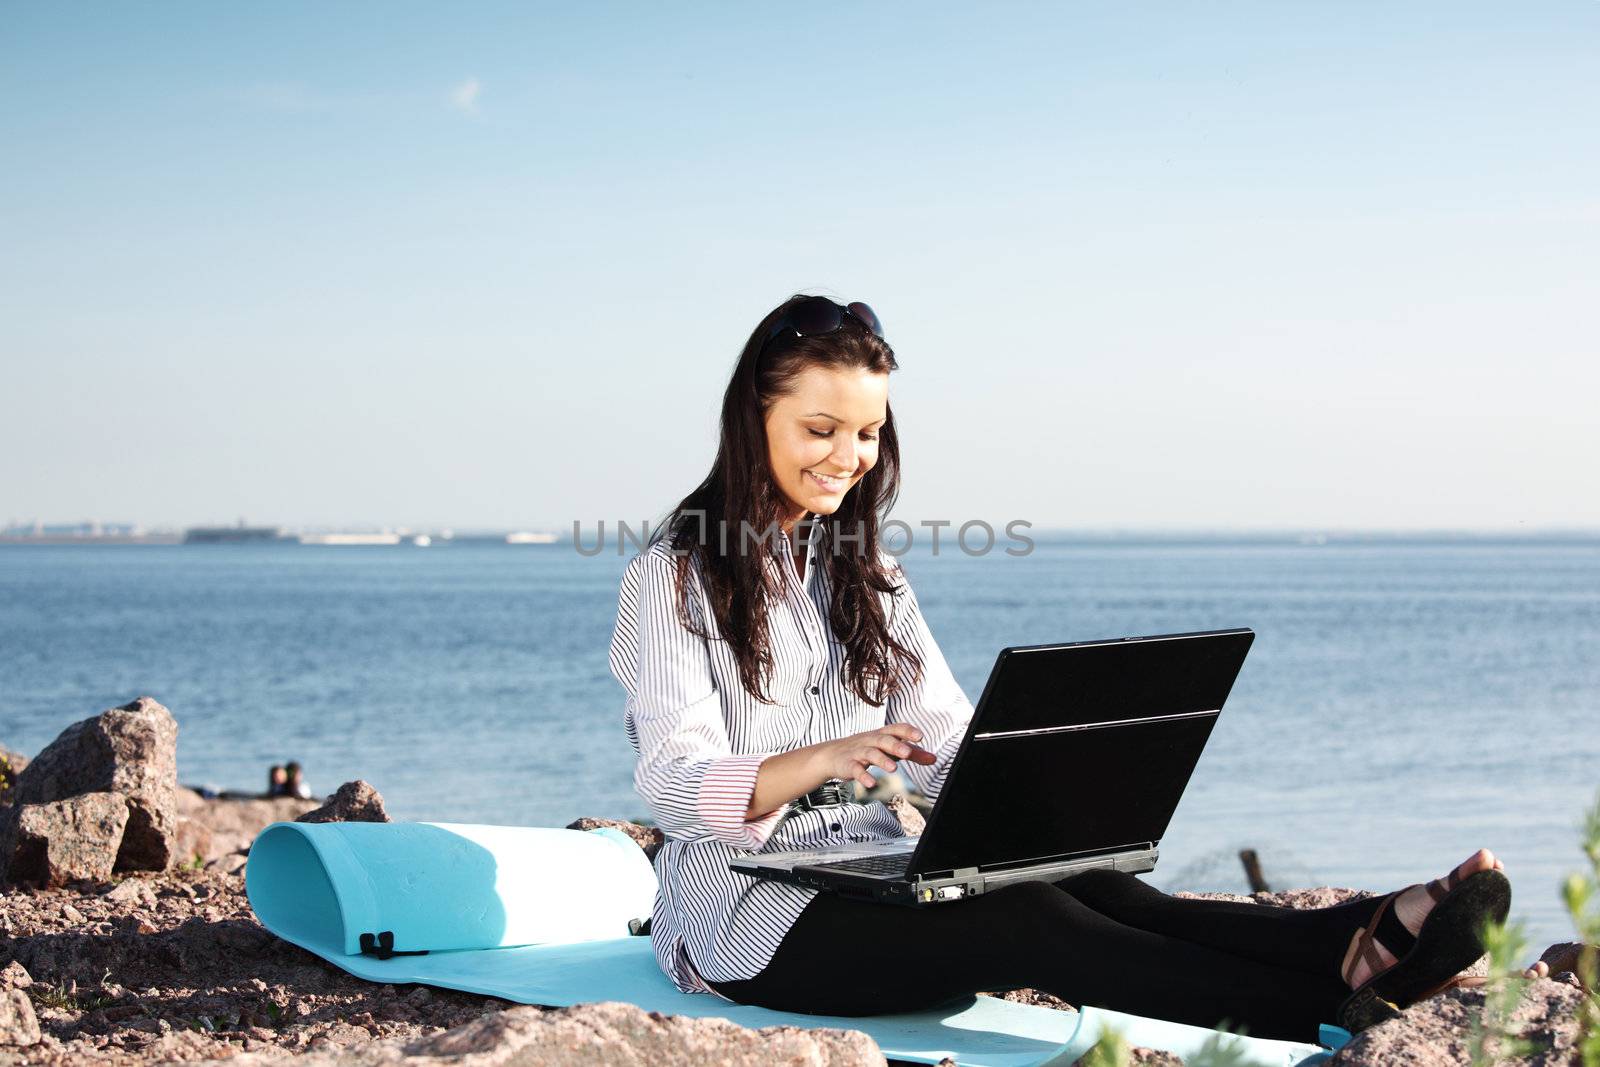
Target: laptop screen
(1080, 748)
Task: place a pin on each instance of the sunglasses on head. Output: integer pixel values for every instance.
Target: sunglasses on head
(817, 315)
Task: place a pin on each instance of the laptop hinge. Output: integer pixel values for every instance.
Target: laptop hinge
(1137, 846)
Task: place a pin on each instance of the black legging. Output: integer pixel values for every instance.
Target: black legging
(1101, 938)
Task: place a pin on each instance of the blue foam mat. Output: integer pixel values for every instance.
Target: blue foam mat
(531, 914)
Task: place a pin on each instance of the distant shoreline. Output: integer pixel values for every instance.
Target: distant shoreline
(1085, 538)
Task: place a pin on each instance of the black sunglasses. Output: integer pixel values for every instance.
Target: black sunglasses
(817, 315)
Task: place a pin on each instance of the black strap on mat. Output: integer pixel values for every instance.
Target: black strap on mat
(382, 946)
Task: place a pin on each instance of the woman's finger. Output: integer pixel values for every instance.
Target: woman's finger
(903, 730)
(876, 757)
(909, 750)
(893, 747)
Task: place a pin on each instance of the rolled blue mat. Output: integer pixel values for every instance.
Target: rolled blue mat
(538, 915)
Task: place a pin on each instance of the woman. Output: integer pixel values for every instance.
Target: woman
(773, 652)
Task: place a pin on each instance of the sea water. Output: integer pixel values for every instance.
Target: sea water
(1404, 702)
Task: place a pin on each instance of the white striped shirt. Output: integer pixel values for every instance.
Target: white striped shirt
(700, 737)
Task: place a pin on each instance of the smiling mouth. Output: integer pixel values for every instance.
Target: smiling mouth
(832, 485)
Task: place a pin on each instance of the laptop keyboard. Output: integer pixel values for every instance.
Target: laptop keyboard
(884, 865)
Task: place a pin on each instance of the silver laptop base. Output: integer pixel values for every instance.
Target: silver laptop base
(800, 868)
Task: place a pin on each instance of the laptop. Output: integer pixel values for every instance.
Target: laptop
(1075, 758)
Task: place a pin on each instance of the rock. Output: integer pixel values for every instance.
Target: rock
(132, 892)
(1153, 1057)
(216, 827)
(52, 844)
(193, 841)
(1320, 897)
(15, 976)
(613, 1033)
(1146, 1057)
(593, 1035)
(1435, 1032)
(912, 821)
(1035, 997)
(354, 801)
(130, 751)
(648, 837)
(18, 1024)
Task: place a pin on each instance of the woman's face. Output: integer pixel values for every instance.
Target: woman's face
(822, 438)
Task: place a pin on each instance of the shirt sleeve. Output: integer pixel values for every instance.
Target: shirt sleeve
(686, 772)
(936, 705)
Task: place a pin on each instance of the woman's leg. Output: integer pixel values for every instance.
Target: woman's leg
(853, 957)
(1313, 940)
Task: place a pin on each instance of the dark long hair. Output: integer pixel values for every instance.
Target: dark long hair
(705, 528)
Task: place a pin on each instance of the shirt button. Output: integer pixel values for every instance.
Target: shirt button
(815, 690)
(836, 827)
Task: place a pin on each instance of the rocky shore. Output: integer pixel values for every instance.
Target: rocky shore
(127, 939)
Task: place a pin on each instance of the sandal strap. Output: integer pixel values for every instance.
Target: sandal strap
(1439, 888)
(1392, 932)
(1364, 945)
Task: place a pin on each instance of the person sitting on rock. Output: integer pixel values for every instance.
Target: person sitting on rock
(760, 668)
(295, 786)
(277, 780)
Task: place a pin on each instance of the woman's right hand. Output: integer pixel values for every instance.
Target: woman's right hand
(854, 756)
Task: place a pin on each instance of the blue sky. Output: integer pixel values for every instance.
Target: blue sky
(1155, 265)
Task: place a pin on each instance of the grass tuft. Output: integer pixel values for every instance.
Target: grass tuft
(1580, 892)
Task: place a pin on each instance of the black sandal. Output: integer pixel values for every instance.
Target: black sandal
(1426, 963)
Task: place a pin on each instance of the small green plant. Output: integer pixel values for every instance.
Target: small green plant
(1220, 1050)
(1580, 893)
(196, 862)
(1111, 1050)
(1493, 1037)
(49, 996)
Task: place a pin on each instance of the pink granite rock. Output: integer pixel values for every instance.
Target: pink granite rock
(130, 751)
(213, 828)
(15, 976)
(607, 1034)
(1436, 1032)
(52, 844)
(354, 801)
(18, 1024)
(648, 837)
(912, 821)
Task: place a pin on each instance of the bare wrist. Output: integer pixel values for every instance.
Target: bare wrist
(815, 766)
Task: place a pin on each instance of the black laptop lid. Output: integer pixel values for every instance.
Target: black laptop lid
(1080, 748)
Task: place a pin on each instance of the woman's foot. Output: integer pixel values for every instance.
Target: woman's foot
(1411, 908)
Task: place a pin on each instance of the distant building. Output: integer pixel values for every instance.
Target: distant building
(219, 535)
(90, 532)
